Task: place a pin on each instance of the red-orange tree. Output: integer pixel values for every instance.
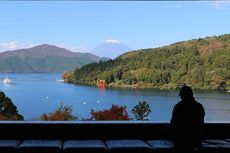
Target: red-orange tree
(114, 113)
(63, 113)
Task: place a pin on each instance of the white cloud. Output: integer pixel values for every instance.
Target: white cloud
(218, 4)
(7, 46)
(73, 48)
(113, 41)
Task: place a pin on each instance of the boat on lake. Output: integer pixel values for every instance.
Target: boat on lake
(6, 81)
(60, 80)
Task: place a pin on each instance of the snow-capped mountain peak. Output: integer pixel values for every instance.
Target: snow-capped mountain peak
(112, 41)
(110, 48)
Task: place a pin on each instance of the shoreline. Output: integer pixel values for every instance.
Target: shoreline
(130, 87)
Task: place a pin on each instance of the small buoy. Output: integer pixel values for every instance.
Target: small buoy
(98, 101)
(84, 102)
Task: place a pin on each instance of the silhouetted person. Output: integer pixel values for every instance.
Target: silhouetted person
(187, 121)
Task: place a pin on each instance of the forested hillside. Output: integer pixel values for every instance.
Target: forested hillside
(43, 58)
(202, 63)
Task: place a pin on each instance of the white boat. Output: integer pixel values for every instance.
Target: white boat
(6, 80)
(60, 80)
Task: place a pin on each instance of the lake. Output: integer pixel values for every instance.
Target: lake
(38, 93)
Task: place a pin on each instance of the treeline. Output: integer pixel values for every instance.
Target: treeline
(8, 111)
(115, 112)
(202, 63)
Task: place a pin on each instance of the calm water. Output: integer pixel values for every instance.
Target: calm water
(38, 93)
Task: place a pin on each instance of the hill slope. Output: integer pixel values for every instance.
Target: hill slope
(200, 63)
(43, 58)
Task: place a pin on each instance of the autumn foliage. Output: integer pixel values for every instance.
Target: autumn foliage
(67, 76)
(114, 113)
(63, 113)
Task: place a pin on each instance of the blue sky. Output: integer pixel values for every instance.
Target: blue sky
(81, 26)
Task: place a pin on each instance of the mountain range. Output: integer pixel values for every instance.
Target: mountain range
(44, 58)
(50, 58)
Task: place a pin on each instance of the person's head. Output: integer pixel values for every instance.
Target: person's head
(186, 93)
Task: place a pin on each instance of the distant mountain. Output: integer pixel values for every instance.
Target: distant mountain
(110, 49)
(202, 63)
(44, 58)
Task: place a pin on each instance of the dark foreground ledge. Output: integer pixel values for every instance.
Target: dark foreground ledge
(99, 130)
(102, 136)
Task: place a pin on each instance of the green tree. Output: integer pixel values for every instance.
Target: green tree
(141, 110)
(8, 111)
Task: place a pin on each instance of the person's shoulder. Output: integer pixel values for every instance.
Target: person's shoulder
(179, 104)
(199, 105)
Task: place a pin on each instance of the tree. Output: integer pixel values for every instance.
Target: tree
(114, 113)
(141, 110)
(8, 111)
(68, 76)
(62, 113)
(110, 79)
(218, 81)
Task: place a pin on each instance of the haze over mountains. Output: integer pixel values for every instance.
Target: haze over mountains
(44, 58)
(110, 48)
(50, 58)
